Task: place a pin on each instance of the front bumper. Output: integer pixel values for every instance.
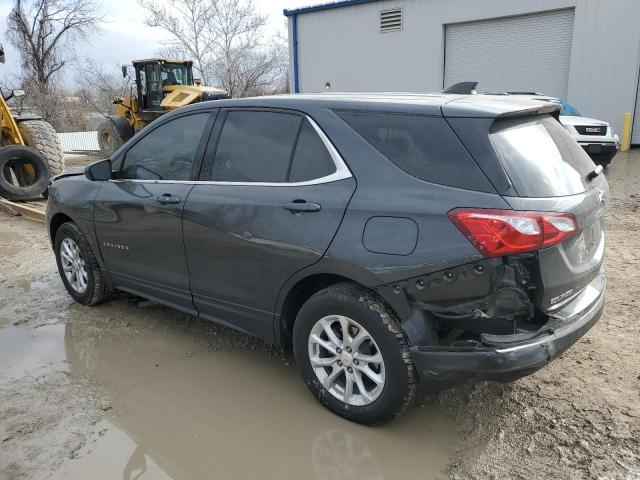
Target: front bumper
(600, 152)
(441, 368)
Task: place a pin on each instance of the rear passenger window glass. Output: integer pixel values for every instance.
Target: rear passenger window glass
(255, 147)
(422, 146)
(167, 152)
(311, 159)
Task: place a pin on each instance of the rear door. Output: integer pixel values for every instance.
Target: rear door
(268, 204)
(138, 215)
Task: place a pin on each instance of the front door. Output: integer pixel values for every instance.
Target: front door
(138, 215)
(274, 202)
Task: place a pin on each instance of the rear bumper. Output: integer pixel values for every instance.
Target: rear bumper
(441, 368)
(600, 152)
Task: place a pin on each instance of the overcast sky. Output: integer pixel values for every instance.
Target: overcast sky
(125, 37)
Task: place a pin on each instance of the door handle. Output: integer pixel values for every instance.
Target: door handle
(167, 198)
(301, 207)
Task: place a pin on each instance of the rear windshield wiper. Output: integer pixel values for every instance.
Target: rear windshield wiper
(595, 172)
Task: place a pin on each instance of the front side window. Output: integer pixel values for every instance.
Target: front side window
(167, 152)
(255, 146)
(174, 74)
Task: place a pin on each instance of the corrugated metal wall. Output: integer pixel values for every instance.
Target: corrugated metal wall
(344, 46)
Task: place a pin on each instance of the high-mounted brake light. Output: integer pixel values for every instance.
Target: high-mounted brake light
(506, 232)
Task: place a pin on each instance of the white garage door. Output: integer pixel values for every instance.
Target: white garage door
(524, 53)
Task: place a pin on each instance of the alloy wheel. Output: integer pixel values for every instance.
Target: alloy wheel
(346, 360)
(73, 265)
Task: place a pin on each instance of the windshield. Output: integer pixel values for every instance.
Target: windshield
(569, 110)
(174, 74)
(540, 157)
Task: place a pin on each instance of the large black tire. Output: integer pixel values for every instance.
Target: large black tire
(40, 135)
(96, 289)
(24, 173)
(374, 316)
(108, 138)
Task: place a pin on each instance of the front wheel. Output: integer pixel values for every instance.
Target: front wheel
(78, 267)
(353, 355)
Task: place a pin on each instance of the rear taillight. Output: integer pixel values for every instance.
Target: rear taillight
(505, 232)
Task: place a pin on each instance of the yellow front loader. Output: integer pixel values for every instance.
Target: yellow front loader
(161, 85)
(30, 150)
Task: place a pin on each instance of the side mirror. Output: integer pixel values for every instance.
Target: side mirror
(124, 71)
(99, 171)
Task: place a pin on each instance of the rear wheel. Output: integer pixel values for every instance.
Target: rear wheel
(41, 136)
(78, 267)
(108, 137)
(353, 355)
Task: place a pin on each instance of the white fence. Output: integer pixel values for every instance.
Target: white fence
(78, 142)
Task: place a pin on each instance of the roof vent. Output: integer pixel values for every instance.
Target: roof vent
(390, 20)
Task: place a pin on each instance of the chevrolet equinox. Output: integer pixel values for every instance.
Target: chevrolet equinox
(392, 240)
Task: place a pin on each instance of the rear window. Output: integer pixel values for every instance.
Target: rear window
(424, 147)
(540, 157)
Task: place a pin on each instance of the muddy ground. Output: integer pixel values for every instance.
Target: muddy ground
(127, 390)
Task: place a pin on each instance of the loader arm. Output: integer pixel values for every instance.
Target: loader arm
(10, 133)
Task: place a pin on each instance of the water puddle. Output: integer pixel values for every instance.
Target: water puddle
(26, 351)
(193, 411)
(189, 403)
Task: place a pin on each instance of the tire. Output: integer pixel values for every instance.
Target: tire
(40, 135)
(108, 137)
(365, 314)
(24, 173)
(95, 289)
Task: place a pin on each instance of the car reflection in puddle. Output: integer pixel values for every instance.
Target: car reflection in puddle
(183, 409)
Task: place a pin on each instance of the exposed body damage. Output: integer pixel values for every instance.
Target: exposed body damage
(482, 321)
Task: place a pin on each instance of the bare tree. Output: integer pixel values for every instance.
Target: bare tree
(100, 86)
(189, 27)
(45, 33)
(225, 39)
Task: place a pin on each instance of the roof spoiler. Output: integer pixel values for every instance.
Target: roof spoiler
(462, 88)
(550, 108)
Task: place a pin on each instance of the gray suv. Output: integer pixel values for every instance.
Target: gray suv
(391, 240)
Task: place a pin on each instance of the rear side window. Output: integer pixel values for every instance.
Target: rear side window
(540, 157)
(255, 147)
(311, 159)
(422, 146)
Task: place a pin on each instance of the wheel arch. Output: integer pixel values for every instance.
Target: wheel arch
(303, 284)
(296, 295)
(56, 222)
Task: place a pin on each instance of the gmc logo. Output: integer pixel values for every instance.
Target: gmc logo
(593, 129)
